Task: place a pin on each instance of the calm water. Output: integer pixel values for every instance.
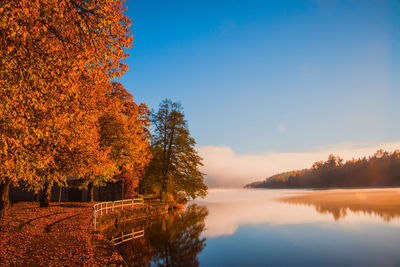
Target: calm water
(271, 228)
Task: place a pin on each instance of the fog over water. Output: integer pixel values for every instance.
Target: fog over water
(230, 208)
(302, 228)
(224, 168)
(263, 227)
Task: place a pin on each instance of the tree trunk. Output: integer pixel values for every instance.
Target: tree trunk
(140, 187)
(163, 193)
(60, 194)
(45, 198)
(90, 192)
(113, 191)
(4, 200)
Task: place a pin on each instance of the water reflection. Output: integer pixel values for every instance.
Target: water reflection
(125, 237)
(259, 228)
(228, 209)
(263, 227)
(382, 203)
(173, 240)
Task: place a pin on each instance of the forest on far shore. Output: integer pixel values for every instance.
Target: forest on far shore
(380, 170)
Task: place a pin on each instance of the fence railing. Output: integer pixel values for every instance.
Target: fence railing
(106, 207)
(116, 240)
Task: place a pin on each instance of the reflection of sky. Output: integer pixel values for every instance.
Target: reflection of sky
(308, 244)
(252, 228)
(229, 209)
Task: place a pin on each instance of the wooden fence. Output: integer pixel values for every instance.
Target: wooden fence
(116, 240)
(106, 207)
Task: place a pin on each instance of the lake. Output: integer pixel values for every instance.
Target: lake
(249, 227)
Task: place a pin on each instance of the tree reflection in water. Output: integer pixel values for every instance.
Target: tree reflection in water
(384, 203)
(173, 240)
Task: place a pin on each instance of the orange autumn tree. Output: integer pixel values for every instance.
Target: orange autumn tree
(124, 128)
(77, 152)
(46, 47)
(88, 160)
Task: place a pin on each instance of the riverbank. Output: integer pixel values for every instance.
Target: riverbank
(60, 235)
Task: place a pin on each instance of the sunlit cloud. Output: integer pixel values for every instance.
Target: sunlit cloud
(224, 168)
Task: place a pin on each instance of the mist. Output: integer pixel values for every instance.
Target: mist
(226, 169)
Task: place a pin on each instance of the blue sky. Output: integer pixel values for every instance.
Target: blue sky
(260, 76)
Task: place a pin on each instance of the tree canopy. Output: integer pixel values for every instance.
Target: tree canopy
(175, 163)
(124, 128)
(57, 61)
(63, 115)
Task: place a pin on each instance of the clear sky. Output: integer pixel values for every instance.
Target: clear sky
(283, 76)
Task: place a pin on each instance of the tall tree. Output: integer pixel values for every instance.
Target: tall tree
(175, 164)
(124, 128)
(47, 48)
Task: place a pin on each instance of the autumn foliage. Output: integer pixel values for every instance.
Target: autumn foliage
(61, 235)
(124, 128)
(57, 60)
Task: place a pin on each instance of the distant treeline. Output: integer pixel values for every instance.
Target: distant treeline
(381, 169)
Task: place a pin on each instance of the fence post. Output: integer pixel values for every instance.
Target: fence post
(94, 218)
